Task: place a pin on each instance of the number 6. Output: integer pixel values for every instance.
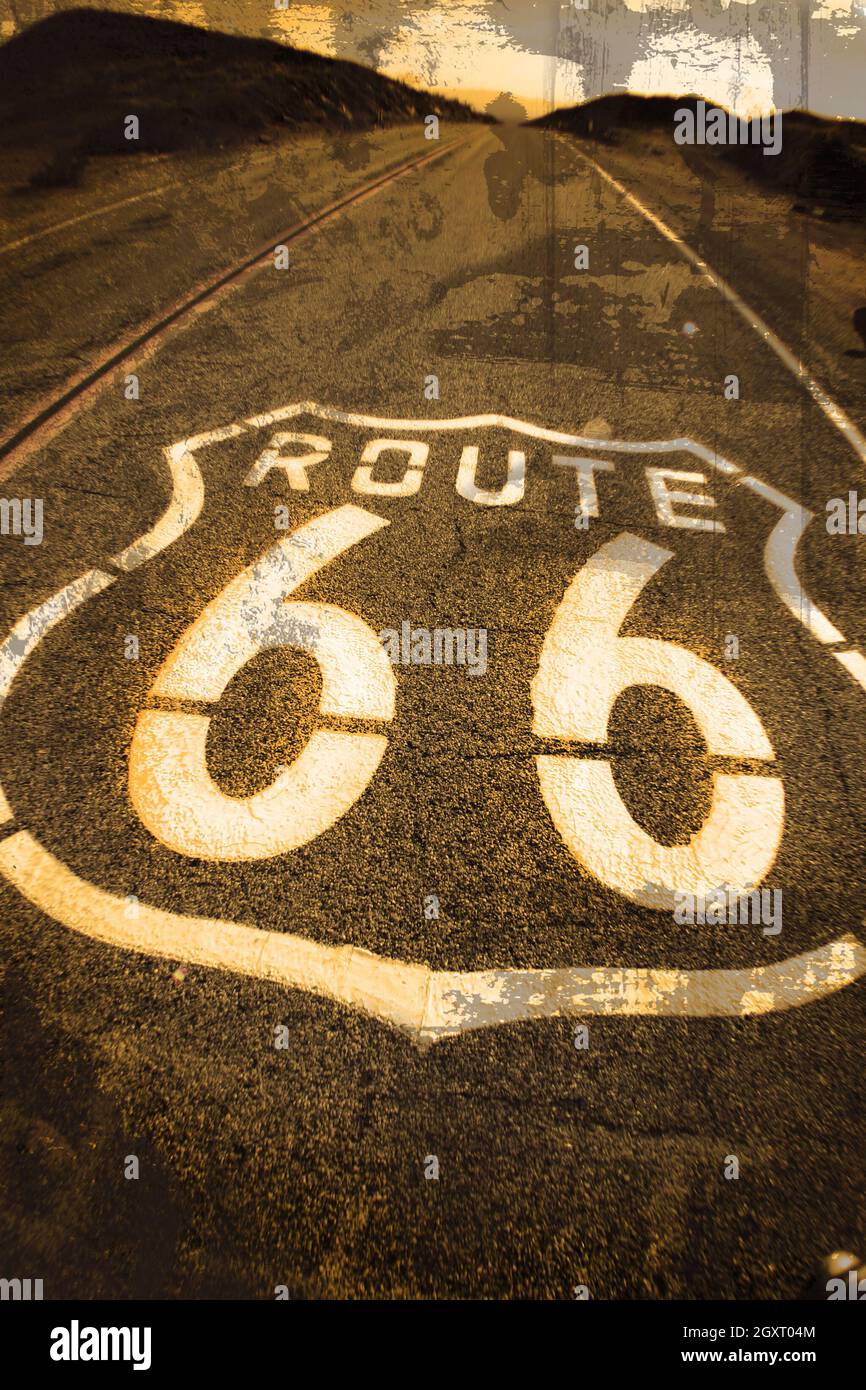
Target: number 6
(585, 664)
(169, 784)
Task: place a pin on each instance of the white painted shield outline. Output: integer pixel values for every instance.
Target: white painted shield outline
(426, 1004)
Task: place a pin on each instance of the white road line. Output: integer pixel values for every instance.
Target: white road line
(42, 232)
(834, 413)
(458, 1003)
(855, 664)
(84, 217)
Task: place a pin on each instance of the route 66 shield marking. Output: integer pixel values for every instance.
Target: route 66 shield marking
(585, 663)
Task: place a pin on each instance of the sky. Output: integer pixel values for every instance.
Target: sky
(750, 55)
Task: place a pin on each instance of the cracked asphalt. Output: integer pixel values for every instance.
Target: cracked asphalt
(304, 1166)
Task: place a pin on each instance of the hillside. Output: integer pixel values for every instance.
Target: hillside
(68, 82)
(821, 162)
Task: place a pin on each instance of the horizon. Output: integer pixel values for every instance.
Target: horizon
(750, 58)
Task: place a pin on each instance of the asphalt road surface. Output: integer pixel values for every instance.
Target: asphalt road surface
(381, 969)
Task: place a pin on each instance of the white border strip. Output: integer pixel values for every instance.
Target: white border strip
(505, 422)
(29, 631)
(780, 562)
(185, 503)
(428, 1005)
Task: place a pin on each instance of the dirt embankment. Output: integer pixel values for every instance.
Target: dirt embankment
(68, 84)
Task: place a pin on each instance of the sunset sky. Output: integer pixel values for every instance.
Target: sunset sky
(748, 54)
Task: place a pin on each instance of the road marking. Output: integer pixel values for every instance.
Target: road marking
(834, 413)
(495, 421)
(780, 554)
(175, 796)
(293, 465)
(248, 614)
(508, 495)
(169, 782)
(408, 485)
(29, 631)
(458, 1003)
(665, 498)
(780, 551)
(185, 504)
(855, 664)
(53, 413)
(585, 665)
(427, 1005)
(737, 843)
(587, 489)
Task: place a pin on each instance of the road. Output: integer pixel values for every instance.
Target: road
(526, 1078)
